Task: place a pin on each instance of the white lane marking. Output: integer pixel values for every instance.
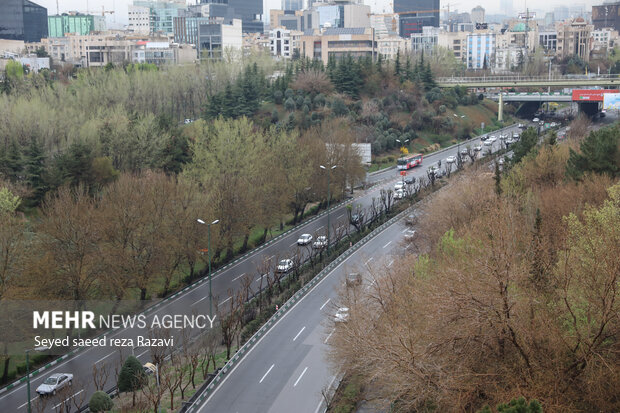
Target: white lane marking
(321, 402)
(236, 278)
(265, 375)
(234, 368)
(293, 244)
(68, 398)
(339, 216)
(104, 357)
(302, 374)
(387, 244)
(330, 334)
(325, 303)
(224, 301)
(319, 227)
(259, 278)
(31, 400)
(141, 354)
(404, 230)
(371, 284)
(302, 329)
(272, 257)
(370, 259)
(390, 264)
(206, 296)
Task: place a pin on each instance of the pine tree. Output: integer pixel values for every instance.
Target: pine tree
(397, 64)
(498, 179)
(11, 162)
(34, 168)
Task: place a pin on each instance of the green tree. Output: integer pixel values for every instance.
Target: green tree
(8, 202)
(11, 162)
(34, 169)
(528, 141)
(131, 377)
(599, 154)
(100, 402)
(289, 104)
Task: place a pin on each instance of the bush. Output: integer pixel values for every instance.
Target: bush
(277, 97)
(132, 376)
(339, 107)
(100, 402)
(289, 104)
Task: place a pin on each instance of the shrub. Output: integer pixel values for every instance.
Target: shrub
(132, 376)
(100, 402)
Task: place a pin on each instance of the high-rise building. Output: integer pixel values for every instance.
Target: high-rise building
(161, 15)
(574, 38)
(481, 50)
(75, 23)
(506, 7)
(560, 13)
(22, 20)
(292, 4)
(415, 14)
(249, 11)
(477, 15)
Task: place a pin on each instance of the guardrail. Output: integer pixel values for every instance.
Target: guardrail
(204, 392)
(457, 80)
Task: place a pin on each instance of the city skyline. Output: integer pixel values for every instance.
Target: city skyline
(119, 7)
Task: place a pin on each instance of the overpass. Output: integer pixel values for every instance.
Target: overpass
(530, 81)
(532, 97)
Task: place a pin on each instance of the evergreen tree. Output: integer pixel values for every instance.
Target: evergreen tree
(11, 162)
(397, 64)
(498, 179)
(528, 141)
(34, 168)
(599, 154)
(228, 104)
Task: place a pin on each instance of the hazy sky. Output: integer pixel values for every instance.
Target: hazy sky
(378, 6)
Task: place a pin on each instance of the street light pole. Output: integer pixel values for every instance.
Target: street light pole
(28, 379)
(200, 221)
(328, 197)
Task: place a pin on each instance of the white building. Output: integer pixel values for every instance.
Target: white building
(385, 25)
(425, 41)
(283, 42)
(480, 50)
(139, 19)
(508, 57)
(604, 38)
(388, 47)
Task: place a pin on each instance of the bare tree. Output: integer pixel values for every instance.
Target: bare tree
(100, 375)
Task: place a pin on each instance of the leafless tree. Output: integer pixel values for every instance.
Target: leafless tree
(100, 375)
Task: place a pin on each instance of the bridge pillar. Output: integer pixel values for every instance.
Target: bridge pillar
(500, 108)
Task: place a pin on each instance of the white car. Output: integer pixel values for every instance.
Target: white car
(488, 142)
(285, 266)
(321, 242)
(400, 194)
(500, 161)
(451, 159)
(535, 120)
(409, 234)
(55, 383)
(464, 152)
(520, 126)
(478, 148)
(304, 239)
(492, 139)
(342, 315)
(553, 124)
(399, 185)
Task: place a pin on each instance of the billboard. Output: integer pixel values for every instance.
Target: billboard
(611, 101)
(592, 95)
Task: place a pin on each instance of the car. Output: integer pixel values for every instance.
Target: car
(510, 141)
(488, 143)
(342, 315)
(399, 185)
(354, 278)
(321, 242)
(285, 266)
(484, 138)
(451, 159)
(410, 180)
(149, 368)
(464, 152)
(304, 239)
(553, 124)
(535, 120)
(515, 135)
(355, 218)
(478, 148)
(400, 194)
(411, 220)
(521, 126)
(55, 383)
(433, 170)
(492, 139)
(500, 161)
(409, 234)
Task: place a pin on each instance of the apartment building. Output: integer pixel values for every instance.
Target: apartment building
(338, 43)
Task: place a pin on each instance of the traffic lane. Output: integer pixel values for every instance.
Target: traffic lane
(268, 373)
(222, 281)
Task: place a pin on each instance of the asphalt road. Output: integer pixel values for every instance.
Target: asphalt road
(286, 371)
(196, 299)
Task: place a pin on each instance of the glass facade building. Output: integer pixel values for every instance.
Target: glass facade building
(415, 14)
(81, 24)
(249, 11)
(22, 20)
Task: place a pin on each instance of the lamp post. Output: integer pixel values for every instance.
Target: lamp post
(200, 221)
(328, 196)
(28, 373)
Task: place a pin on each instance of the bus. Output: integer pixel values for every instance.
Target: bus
(409, 161)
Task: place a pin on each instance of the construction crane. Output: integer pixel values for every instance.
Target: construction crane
(103, 11)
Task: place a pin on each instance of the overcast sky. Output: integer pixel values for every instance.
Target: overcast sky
(378, 6)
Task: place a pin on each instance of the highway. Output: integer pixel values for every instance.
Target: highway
(286, 371)
(196, 298)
